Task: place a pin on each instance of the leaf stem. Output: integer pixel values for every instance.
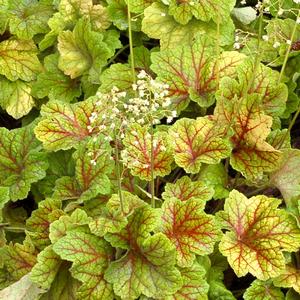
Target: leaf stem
(118, 173)
(130, 41)
(286, 57)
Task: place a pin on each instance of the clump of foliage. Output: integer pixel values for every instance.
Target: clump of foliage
(149, 150)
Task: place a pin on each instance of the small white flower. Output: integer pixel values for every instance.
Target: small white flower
(236, 38)
(174, 113)
(192, 3)
(243, 2)
(134, 87)
(297, 1)
(280, 11)
(163, 14)
(102, 127)
(265, 37)
(90, 154)
(163, 148)
(112, 125)
(90, 128)
(276, 45)
(94, 139)
(289, 42)
(236, 45)
(142, 75)
(135, 143)
(169, 120)
(114, 89)
(298, 20)
(93, 162)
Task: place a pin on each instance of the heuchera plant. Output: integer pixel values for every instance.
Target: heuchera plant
(149, 149)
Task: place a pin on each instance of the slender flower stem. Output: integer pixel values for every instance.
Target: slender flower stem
(118, 173)
(152, 167)
(130, 41)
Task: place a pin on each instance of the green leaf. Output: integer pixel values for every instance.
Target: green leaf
(287, 177)
(205, 10)
(137, 154)
(19, 60)
(84, 50)
(185, 189)
(28, 17)
(258, 233)
(16, 98)
(90, 256)
(194, 285)
(22, 163)
(23, 289)
(4, 198)
(93, 165)
(38, 224)
(158, 24)
(291, 295)
(112, 218)
(148, 267)
(54, 84)
(196, 142)
(189, 229)
(290, 277)
(46, 268)
(252, 155)
(215, 177)
(260, 290)
(64, 125)
(191, 69)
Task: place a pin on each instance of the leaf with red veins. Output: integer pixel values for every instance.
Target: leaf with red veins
(185, 189)
(196, 142)
(64, 125)
(137, 155)
(92, 167)
(194, 286)
(191, 71)
(148, 267)
(252, 155)
(39, 222)
(265, 83)
(258, 233)
(90, 256)
(190, 229)
(290, 277)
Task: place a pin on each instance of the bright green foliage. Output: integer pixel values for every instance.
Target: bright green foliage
(89, 180)
(137, 155)
(194, 285)
(196, 142)
(21, 162)
(84, 50)
(112, 218)
(90, 256)
(54, 84)
(189, 228)
(263, 290)
(149, 265)
(28, 17)
(257, 234)
(184, 189)
(4, 198)
(19, 60)
(16, 97)
(191, 71)
(64, 125)
(202, 10)
(290, 277)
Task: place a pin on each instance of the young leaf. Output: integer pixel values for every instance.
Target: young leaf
(24, 289)
(148, 267)
(196, 142)
(287, 177)
(158, 24)
(112, 218)
(15, 97)
(54, 84)
(263, 290)
(22, 163)
(189, 229)
(192, 70)
(290, 277)
(194, 285)
(91, 179)
(19, 60)
(46, 268)
(137, 154)
(185, 189)
(38, 224)
(258, 233)
(63, 125)
(90, 256)
(205, 10)
(28, 17)
(83, 50)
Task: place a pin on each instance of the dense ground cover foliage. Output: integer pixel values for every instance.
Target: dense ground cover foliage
(149, 149)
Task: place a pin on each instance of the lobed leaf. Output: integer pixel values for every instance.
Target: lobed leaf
(263, 290)
(258, 233)
(290, 277)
